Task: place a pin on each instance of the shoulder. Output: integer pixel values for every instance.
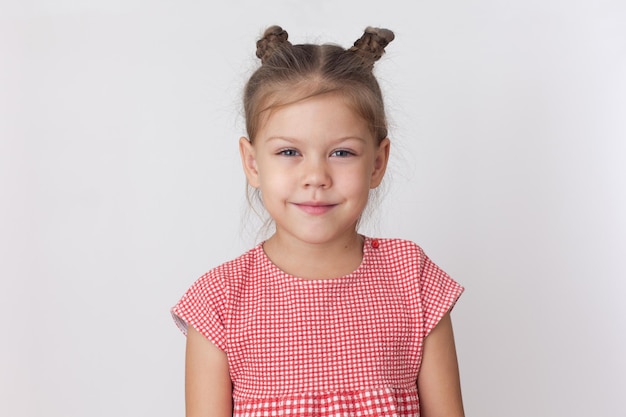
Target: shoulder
(411, 268)
(238, 267)
(394, 244)
(235, 270)
(403, 259)
(398, 252)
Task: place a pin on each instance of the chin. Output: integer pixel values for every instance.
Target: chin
(317, 238)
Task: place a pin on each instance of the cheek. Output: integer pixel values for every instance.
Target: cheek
(274, 182)
(358, 181)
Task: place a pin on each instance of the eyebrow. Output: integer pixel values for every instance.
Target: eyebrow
(296, 140)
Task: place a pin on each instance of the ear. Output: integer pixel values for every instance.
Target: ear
(248, 160)
(380, 163)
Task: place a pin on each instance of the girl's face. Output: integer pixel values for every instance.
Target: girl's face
(314, 162)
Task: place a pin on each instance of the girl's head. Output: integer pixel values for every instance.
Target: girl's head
(290, 73)
(317, 133)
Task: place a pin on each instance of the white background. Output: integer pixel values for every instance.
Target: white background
(120, 184)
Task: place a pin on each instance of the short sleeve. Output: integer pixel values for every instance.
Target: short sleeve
(203, 306)
(439, 293)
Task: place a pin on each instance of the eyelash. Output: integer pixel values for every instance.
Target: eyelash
(345, 153)
(288, 152)
(340, 153)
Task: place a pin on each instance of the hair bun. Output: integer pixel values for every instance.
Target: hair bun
(371, 46)
(273, 38)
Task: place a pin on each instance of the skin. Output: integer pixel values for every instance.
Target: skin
(207, 380)
(438, 382)
(314, 162)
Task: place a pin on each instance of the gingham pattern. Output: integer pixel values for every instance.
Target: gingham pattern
(349, 346)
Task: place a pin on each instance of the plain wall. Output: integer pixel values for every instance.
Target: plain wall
(120, 185)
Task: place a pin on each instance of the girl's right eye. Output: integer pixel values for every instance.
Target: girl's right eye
(288, 152)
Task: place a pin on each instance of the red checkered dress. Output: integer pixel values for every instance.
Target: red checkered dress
(349, 346)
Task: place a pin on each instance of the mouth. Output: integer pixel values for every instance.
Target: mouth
(315, 208)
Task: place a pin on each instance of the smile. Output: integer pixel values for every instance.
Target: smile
(315, 208)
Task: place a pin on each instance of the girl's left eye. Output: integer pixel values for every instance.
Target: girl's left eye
(342, 153)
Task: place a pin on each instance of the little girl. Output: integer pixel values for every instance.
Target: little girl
(319, 320)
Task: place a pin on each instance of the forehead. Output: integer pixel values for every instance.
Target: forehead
(329, 114)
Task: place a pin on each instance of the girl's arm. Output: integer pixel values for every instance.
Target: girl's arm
(438, 382)
(208, 389)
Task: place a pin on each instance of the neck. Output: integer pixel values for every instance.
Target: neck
(315, 260)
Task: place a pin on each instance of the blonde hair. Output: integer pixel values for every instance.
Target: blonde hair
(289, 73)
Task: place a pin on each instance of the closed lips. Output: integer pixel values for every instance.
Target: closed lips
(315, 208)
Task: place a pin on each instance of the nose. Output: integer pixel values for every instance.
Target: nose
(316, 173)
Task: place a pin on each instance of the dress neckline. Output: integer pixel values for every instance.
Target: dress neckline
(368, 245)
